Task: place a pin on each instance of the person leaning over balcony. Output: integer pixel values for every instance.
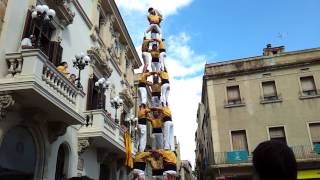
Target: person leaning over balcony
(274, 160)
(155, 91)
(145, 52)
(63, 68)
(157, 136)
(162, 50)
(72, 78)
(142, 128)
(165, 87)
(154, 19)
(28, 43)
(139, 165)
(155, 60)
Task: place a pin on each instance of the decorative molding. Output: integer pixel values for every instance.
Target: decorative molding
(100, 60)
(83, 144)
(56, 129)
(82, 13)
(6, 101)
(127, 96)
(63, 10)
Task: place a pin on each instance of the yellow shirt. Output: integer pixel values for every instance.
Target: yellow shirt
(63, 70)
(156, 123)
(164, 75)
(141, 156)
(143, 113)
(161, 44)
(143, 77)
(168, 156)
(154, 19)
(156, 87)
(155, 53)
(145, 45)
(156, 164)
(166, 111)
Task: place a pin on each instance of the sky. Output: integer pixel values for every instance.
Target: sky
(206, 31)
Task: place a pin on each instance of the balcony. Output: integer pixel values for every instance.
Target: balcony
(234, 103)
(104, 133)
(271, 99)
(309, 94)
(36, 85)
(303, 153)
(127, 97)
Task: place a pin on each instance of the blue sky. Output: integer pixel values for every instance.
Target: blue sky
(200, 31)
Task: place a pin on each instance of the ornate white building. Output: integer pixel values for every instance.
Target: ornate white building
(49, 128)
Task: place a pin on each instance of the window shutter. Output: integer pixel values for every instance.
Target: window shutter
(315, 132)
(269, 89)
(239, 140)
(27, 25)
(90, 94)
(277, 132)
(233, 93)
(307, 83)
(55, 53)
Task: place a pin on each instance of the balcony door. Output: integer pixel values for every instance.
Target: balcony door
(18, 155)
(104, 172)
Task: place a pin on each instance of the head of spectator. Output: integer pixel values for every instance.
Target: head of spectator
(274, 160)
(64, 64)
(73, 78)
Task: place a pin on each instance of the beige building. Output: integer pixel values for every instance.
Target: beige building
(51, 128)
(247, 101)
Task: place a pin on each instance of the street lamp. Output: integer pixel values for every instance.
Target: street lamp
(80, 61)
(44, 16)
(102, 84)
(131, 121)
(116, 103)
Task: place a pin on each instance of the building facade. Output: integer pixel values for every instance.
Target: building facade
(51, 128)
(247, 101)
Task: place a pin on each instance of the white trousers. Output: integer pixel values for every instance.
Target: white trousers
(142, 129)
(155, 102)
(146, 58)
(168, 139)
(139, 172)
(142, 95)
(153, 27)
(157, 141)
(155, 66)
(165, 89)
(162, 58)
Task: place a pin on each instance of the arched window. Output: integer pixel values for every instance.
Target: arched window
(62, 163)
(17, 155)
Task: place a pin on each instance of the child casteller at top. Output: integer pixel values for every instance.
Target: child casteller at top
(154, 19)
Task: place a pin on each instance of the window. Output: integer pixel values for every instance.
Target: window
(52, 49)
(269, 90)
(239, 140)
(277, 134)
(233, 94)
(308, 86)
(93, 96)
(315, 132)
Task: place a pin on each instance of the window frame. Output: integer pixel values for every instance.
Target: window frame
(231, 142)
(279, 126)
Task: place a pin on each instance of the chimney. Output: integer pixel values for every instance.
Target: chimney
(271, 51)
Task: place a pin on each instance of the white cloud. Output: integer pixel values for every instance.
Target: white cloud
(166, 7)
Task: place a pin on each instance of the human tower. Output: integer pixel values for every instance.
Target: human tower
(161, 155)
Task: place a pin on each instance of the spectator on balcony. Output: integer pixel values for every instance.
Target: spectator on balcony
(73, 78)
(274, 160)
(28, 42)
(63, 68)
